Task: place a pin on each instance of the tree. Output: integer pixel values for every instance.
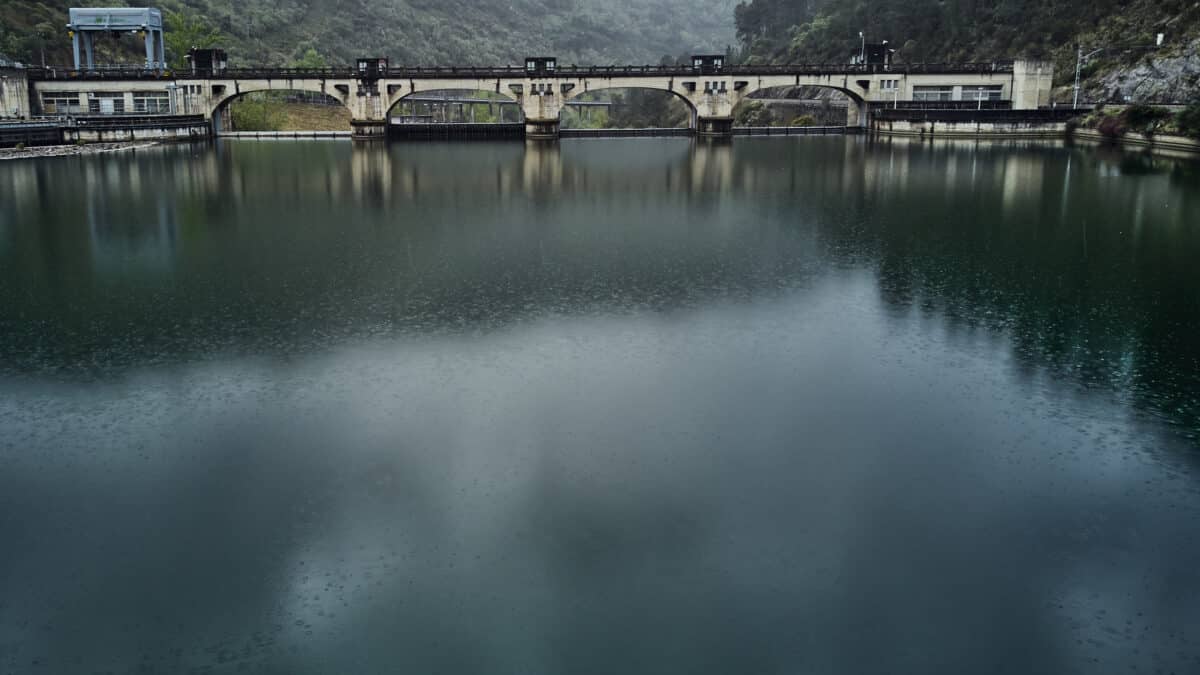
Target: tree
(310, 59)
(43, 33)
(185, 31)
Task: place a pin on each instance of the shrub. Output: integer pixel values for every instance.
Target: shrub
(804, 121)
(753, 114)
(257, 114)
(1144, 118)
(1112, 127)
(1188, 121)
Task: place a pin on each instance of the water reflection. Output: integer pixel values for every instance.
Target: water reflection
(829, 405)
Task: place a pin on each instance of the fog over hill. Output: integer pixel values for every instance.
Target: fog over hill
(427, 32)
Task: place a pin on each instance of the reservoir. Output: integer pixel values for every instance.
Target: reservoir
(638, 406)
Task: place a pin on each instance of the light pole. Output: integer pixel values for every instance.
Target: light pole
(1080, 58)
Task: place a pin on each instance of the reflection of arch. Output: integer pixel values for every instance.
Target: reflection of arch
(610, 85)
(462, 97)
(243, 88)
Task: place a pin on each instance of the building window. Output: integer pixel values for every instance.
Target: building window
(933, 93)
(106, 104)
(890, 85)
(61, 103)
(151, 103)
(988, 93)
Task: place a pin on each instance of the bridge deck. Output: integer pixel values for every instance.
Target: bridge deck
(490, 72)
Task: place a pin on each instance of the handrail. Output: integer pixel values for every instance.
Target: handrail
(494, 72)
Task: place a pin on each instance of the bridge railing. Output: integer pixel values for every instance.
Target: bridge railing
(494, 72)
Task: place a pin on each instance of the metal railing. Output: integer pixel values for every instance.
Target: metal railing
(138, 121)
(941, 105)
(1043, 115)
(789, 131)
(493, 72)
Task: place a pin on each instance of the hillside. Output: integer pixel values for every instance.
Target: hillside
(413, 31)
(960, 30)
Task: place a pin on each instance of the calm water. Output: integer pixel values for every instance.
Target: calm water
(782, 406)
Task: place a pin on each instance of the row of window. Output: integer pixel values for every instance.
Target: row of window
(70, 103)
(969, 93)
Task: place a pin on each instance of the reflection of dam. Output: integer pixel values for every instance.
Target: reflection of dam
(139, 210)
(129, 234)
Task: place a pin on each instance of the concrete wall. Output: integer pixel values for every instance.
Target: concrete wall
(972, 129)
(1158, 142)
(14, 94)
(1032, 84)
(185, 133)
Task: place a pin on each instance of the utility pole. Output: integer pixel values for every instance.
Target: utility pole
(1080, 58)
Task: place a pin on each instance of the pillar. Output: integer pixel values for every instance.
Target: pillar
(75, 46)
(89, 49)
(368, 120)
(162, 51)
(856, 112)
(714, 127)
(368, 130)
(541, 110)
(150, 51)
(1032, 84)
(541, 129)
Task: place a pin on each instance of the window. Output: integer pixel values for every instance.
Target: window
(151, 103)
(61, 103)
(987, 93)
(106, 104)
(890, 85)
(933, 93)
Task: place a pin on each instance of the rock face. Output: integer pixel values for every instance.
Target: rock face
(1171, 79)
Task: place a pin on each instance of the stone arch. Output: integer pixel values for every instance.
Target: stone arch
(828, 105)
(240, 88)
(459, 90)
(856, 107)
(634, 84)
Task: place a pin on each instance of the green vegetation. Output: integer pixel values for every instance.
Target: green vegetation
(827, 31)
(310, 59)
(185, 30)
(280, 32)
(258, 112)
(753, 114)
(1116, 121)
(1188, 121)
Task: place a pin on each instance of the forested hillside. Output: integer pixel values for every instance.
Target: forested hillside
(807, 31)
(412, 31)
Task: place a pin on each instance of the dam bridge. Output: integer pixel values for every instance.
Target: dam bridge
(542, 89)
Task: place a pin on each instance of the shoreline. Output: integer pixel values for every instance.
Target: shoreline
(40, 151)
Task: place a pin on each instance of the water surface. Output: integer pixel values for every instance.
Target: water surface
(816, 405)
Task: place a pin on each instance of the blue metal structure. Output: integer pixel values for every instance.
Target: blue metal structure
(145, 21)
